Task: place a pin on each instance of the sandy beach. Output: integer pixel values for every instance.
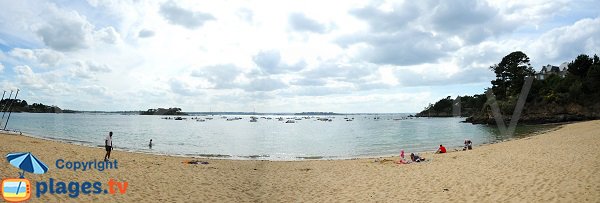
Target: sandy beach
(558, 166)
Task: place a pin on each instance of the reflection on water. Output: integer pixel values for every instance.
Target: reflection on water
(307, 138)
(521, 131)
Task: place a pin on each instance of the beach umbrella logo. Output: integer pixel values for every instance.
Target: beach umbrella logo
(19, 189)
(27, 163)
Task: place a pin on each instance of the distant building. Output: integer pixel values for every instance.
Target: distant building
(549, 70)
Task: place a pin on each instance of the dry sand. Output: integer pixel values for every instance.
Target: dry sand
(558, 166)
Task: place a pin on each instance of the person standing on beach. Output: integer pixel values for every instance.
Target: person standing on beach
(108, 145)
(150, 145)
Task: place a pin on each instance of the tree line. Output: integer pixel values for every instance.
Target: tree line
(18, 105)
(555, 98)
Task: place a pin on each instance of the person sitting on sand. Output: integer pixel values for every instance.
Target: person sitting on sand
(402, 159)
(441, 150)
(468, 145)
(150, 145)
(416, 158)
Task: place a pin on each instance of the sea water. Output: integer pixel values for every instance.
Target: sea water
(307, 138)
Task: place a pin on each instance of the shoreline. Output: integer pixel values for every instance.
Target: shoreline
(210, 156)
(556, 126)
(562, 165)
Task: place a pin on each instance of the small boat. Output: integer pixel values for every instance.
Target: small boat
(178, 118)
(200, 120)
(253, 119)
(290, 121)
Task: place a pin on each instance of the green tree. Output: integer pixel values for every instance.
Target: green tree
(574, 92)
(510, 74)
(592, 82)
(23, 103)
(581, 65)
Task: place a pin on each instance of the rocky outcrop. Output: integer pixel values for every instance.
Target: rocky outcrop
(539, 114)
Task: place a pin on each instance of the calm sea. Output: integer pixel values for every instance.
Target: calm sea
(269, 139)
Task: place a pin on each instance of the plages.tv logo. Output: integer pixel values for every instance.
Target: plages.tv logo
(19, 189)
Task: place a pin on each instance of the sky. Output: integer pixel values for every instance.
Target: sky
(277, 56)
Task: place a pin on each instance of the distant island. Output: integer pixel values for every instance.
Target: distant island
(162, 111)
(556, 95)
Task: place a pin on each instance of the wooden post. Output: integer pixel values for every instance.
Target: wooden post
(9, 112)
(4, 107)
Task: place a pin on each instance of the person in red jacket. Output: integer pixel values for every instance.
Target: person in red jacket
(441, 150)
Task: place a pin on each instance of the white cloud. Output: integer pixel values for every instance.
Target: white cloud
(95, 90)
(145, 33)
(66, 31)
(178, 15)
(533, 11)
(81, 72)
(264, 84)
(40, 57)
(269, 62)
(99, 68)
(246, 14)
(299, 22)
(184, 88)
(1, 67)
(565, 43)
(387, 20)
(309, 82)
(302, 56)
(221, 76)
(340, 71)
(26, 54)
(108, 35)
(48, 58)
(471, 21)
(424, 32)
(88, 69)
(28, 78)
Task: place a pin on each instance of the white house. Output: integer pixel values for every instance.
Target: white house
(548, 70)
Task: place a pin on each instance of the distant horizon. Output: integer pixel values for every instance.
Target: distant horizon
(244, 112)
